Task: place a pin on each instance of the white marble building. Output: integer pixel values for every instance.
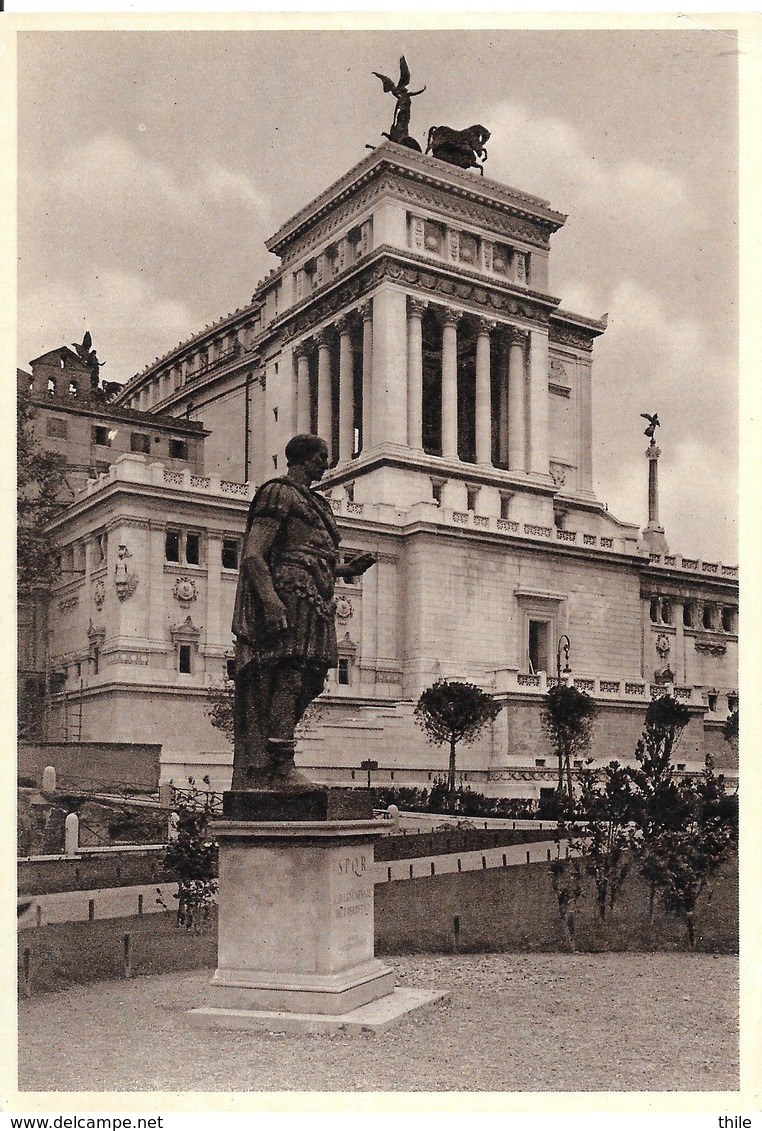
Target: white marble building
(410, 323)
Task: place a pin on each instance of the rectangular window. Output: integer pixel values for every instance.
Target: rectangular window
(538, 646)
(178, 449)
(230, 553)
(172, 546)
(436, 492)
(505, 506)
(100, 435)
(343, 671)
(192, 549)
(56, 426)
(539, 761)
(472, 497)
(101, 547)
(185, 659)
(140, 442)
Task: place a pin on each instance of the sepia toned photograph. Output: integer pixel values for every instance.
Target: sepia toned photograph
(377, 447)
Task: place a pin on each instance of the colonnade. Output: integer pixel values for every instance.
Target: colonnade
(393, 382)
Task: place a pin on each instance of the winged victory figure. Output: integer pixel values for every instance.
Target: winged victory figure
(401, 122)
(653, 423)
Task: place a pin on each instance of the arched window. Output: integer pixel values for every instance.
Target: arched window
(73, 390)
(51, 386)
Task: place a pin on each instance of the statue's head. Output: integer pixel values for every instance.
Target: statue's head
(309, 452)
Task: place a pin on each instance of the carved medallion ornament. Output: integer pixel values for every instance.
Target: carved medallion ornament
(99, 593)
(558, 474)
(662, 645)
(184, 590)
(344, 609)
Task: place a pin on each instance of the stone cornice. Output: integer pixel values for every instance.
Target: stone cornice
(407, 165)
(160, 493)
(574, 330)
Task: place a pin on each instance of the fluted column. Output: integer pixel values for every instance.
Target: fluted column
(346, 392)
(416, 308)
(366, 312)
(450, 385)
(516, 403)
(502, 372)
(538, 402)
(324, 426)
(302, 389)
(483, 394)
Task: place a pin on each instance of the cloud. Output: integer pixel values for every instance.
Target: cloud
(126, 315)
(652, 359)
(129, 180)
(546, 151)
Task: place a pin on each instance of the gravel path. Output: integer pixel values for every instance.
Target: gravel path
(516, 1022)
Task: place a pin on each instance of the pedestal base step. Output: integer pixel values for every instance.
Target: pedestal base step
(375, 1017)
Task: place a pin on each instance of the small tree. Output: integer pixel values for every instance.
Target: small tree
(659, 804)
(607, 806)
(41, 480)
(220, 710)
(192, 856)
(568, 717)
(219, 707)
(451, 712)
(683, 860)
(567, 876)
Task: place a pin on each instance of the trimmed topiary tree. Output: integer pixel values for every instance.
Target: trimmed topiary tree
(451, 712)
(568, 716)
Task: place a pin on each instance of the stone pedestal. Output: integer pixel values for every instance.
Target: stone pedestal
(295, 935)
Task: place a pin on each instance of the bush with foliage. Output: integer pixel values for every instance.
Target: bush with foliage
(41, 480)
(192, 856)
(463, 802)
(606, 802)
(681, 860)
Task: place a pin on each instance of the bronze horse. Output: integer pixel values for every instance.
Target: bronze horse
(464, 148)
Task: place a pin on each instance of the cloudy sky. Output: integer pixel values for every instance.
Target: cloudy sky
(153, 165)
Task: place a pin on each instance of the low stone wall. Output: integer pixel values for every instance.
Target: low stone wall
(456, 840)
(120, 765)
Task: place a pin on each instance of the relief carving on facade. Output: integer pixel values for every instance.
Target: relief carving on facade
(344, 609)
(558, 474)
(184, 590)
(663, 645)
(125, 578)
(99, 593)
(569, 336)
(711, 647)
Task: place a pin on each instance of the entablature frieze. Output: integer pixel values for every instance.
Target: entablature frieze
(426, 279)
(413, 176)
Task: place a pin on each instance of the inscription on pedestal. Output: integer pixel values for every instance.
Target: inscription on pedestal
(353, 907)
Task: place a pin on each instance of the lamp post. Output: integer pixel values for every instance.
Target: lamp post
(369, 764)
(564, 644)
